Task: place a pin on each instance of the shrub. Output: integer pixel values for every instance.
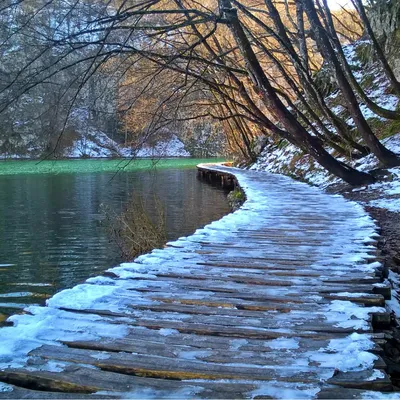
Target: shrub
(134, 231)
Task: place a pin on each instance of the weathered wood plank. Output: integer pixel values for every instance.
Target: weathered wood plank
(339, 393)
(239, 285)
(22, 393)
(172, 346)
(367, 380)
(350, 281)
(114, 385)
(166, 368)
(216, 324)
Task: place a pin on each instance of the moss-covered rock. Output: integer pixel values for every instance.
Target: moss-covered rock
(236, 198)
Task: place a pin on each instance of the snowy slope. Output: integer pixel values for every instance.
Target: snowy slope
(287, 159)
(168, 148)
(98, 144)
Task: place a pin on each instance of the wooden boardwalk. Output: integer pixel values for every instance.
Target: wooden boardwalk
(276, 300)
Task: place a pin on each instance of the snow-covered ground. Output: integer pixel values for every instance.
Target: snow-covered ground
(9, 156)
(387, 191)
(283, 160)
(168, 148)
(378, 90)
(98, 144)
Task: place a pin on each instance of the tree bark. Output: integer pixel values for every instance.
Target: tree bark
(301, 32)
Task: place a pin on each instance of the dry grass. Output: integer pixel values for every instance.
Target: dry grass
(134, 231)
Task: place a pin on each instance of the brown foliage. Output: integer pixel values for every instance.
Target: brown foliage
(134, 231)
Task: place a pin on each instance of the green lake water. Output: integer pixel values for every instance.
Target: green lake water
(17, 167)
(51, 231)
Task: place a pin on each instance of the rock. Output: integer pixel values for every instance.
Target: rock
(396, 259)
(236, 198)
(259, 144)
(385, 21)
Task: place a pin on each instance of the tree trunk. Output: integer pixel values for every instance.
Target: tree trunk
(326, 134)
(302, 36)
(383, 112)
(312, 92)
(385, 156)
(276, 107)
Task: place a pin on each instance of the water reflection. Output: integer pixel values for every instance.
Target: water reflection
(51, 236)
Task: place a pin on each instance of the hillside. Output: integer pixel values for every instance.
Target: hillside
(96, 144)
(282, 157)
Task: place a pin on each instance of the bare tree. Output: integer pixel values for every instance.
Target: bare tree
(387, 157)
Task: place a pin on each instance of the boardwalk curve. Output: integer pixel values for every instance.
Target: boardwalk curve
(276, 300)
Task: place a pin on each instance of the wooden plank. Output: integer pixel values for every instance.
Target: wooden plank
(166, 368)
(365, 380)
(229, 293)
(22, 393)
(136, 345)
(172, 346)
(225, 303)
(235, 285)
(339, 393)
(237, 298)
(349, 281)
(76, 378)
(246, 263)
(362, 298)
(186, 309)
(185, 353)
(272, 331)
(210, 323)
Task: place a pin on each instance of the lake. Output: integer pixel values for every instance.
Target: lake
(51, 231)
